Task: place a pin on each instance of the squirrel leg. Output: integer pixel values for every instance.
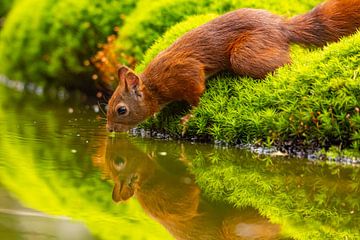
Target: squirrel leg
(256, 55)
(184, 123)
(195, 90)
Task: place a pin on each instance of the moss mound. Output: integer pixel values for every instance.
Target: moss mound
(49, 42)
(314, 100)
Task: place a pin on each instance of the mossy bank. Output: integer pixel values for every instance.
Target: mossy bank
(312, 102)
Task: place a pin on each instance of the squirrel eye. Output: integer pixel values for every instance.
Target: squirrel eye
(121, 110)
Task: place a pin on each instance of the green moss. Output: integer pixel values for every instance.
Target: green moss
(49, 42)
(151, 19)
(287, 8)
(336, 153)
(315, 99)
(5, 6)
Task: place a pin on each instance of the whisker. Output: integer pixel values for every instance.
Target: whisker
(105, 98)
(101, 109)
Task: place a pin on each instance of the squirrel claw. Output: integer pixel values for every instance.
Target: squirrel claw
(185, 119)
(183, 122)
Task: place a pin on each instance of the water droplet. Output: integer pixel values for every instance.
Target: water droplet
(96, 108)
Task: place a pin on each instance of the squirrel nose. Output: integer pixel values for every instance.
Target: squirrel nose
(109, 128)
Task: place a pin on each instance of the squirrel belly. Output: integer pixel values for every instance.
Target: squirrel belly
(247, 42)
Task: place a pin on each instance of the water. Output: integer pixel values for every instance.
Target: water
(63, 177)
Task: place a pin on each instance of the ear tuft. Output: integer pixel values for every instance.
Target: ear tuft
(122, 71)
(132, 80)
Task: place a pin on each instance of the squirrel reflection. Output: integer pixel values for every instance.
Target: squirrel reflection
(167, 192)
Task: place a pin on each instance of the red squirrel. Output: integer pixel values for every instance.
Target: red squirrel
(247, 42)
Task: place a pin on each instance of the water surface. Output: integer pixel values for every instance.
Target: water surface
(61, 174)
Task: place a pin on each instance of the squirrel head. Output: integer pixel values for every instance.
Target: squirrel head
(128, 166)
(130, 104)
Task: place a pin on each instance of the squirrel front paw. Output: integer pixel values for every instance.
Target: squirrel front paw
(183, 122)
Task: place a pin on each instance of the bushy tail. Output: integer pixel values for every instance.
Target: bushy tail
(327, 22)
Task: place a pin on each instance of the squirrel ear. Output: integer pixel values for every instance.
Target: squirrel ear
(132, 80)
(122, 71)
(133, 83)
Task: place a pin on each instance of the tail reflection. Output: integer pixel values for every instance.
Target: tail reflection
(157, 176)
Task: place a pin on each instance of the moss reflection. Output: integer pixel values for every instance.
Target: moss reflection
(309, 200)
